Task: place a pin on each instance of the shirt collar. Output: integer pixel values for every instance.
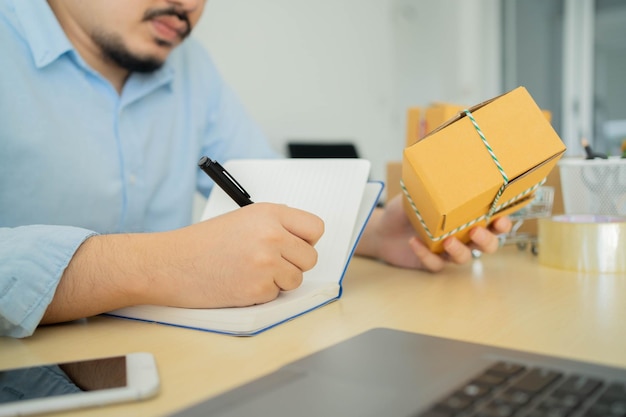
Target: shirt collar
(139, 85)
(47, 42)
(42, 31)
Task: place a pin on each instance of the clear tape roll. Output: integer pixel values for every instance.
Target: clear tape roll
(588, 243)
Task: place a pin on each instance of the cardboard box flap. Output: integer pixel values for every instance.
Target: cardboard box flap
(461, 114)
(435, 238)
(532, 176)
(483, 216)
(516, 190)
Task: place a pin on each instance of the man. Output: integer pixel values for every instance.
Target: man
(104, 113)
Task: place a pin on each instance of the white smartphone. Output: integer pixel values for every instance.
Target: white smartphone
(70, 385)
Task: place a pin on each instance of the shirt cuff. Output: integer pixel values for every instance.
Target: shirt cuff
(32, 261)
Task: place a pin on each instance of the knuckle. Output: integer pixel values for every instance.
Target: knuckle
(292, 282)
(319, 226)
(262, 290)
(273, 237)
(268, 295)
(492, 247)
(458, 252)
(438, 267)
(309, 260)
(463, 257)
(264, 259)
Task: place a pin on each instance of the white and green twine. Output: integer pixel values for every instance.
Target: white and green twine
(494, 206)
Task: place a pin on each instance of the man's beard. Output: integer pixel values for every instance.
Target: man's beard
(114, 49)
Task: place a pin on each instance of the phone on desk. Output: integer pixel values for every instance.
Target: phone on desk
(87, 383)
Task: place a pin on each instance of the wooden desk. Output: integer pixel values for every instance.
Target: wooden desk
(506, 299)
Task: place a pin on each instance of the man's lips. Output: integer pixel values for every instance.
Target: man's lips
(170, 28)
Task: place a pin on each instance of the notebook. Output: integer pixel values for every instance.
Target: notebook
(337, 190)
(385, 372)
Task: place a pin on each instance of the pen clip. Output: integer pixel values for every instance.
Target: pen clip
(233, 180)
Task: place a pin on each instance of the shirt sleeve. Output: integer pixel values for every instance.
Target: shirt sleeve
(35, 382)
(233, 134)
(32, 261)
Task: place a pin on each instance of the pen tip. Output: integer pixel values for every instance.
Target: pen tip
(202, 161)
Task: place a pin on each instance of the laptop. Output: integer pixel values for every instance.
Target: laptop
(385, 372)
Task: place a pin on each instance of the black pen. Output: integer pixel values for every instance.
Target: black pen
(225, 181)
(590, 153)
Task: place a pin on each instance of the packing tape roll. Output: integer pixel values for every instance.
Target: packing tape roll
(588, 243)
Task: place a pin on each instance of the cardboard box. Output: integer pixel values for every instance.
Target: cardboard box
(437, 114)
(420, 121)
(454, 180)
(413, 125)
(394, 175)
(529, 227)
(394, 168)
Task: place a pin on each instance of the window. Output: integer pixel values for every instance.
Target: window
(571, 55)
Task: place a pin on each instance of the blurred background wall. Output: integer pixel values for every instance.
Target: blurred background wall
(347, 70)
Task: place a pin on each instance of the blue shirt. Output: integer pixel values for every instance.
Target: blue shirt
(77, 158)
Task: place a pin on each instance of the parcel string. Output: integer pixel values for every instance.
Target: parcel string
(495, 160)
(494, 205)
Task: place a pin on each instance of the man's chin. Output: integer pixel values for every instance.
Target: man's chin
(147, 65)
(148, 58)
(135, 63)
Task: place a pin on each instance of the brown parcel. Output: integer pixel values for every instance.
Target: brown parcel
(417, 127)
(451, 180)
(420, 121)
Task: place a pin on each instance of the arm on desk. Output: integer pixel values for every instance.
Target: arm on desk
(241, 258)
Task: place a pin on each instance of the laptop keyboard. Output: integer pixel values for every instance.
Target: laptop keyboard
(509, 389)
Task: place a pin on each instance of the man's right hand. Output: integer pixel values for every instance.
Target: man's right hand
(241, 258)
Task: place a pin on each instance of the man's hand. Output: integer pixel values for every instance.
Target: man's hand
(390, 237)
(241, 258)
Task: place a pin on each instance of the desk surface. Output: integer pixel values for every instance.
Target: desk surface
(506, 299)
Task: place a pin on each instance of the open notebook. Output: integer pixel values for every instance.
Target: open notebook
(337, 190)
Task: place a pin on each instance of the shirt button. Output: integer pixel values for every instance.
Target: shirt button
(132, 179)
